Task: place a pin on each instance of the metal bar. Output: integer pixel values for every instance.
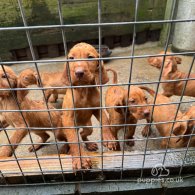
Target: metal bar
(100, 78)
(18, 105)
(114, 155)
(96, 108)
(160, 76)
(15, 157)
(99, 126)
(70, 80)
(40, 81)
(103, 58)
(3, 177)
(33, 57)
(94, 24)
(99, 25)
(130, 75)
(98, 85)
(136, 139)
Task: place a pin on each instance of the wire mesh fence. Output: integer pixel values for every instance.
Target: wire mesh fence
(111, 166)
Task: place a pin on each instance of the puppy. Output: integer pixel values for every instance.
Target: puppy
(29, 77)
(118, 96)
(33, 119)
(164, 113)
(171, 72)
(190, 115)
(83, 73)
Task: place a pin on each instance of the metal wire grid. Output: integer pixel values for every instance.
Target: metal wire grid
(99, 25)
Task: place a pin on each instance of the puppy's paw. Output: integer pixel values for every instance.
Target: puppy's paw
(111, 145)
(52, 100)
(130, 143)
(81, 163)
(92, 146)
(36, 147)
(146, 131)
(5, 151)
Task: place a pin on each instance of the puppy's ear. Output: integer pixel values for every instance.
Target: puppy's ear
(118, 109)
(168, 68)
(104, 74)
(180, 128)
(178, 60)
(15, 81)
(37, 79)
(183, 128)
(65, 73)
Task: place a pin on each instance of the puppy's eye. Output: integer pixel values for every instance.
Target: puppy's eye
(4, 76)
(132, 101)
(90, 56)
(146, 98)
(71, 58)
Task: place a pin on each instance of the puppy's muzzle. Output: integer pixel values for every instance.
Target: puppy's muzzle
(146, 113)
(79, 72)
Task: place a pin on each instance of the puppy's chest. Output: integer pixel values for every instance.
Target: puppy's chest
(87, 99)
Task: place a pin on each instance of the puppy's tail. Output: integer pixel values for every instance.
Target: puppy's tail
(115, 76)
(150, 91)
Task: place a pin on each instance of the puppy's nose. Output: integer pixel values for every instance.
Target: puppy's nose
(79, 72)
(146, 113)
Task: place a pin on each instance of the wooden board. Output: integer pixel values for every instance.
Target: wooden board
(112, 163)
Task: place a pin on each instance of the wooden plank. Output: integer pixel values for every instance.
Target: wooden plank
(112, 163)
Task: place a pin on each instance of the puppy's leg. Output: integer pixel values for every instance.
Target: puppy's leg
(15, 139)
(91, 146)
(129, 135)
(48, 93)
(53, 98)
(107, 133)
(65, 149)
(147, 129)
(43, 137)
(76, 151)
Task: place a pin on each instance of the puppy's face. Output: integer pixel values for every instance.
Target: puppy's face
(4, 77)
(138, 97)
(27, 77)
(84, 72)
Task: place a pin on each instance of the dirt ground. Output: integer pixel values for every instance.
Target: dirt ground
(142, 72)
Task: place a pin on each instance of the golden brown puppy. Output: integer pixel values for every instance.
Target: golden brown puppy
(118, 96)
(171, 72)
(51, 79)
(189, 114)
(84, 73)
(28, 77)
(33, 119)
(167, 113)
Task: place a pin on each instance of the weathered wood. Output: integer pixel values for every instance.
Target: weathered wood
(112, 164)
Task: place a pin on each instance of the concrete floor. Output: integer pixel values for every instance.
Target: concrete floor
(141, 72)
